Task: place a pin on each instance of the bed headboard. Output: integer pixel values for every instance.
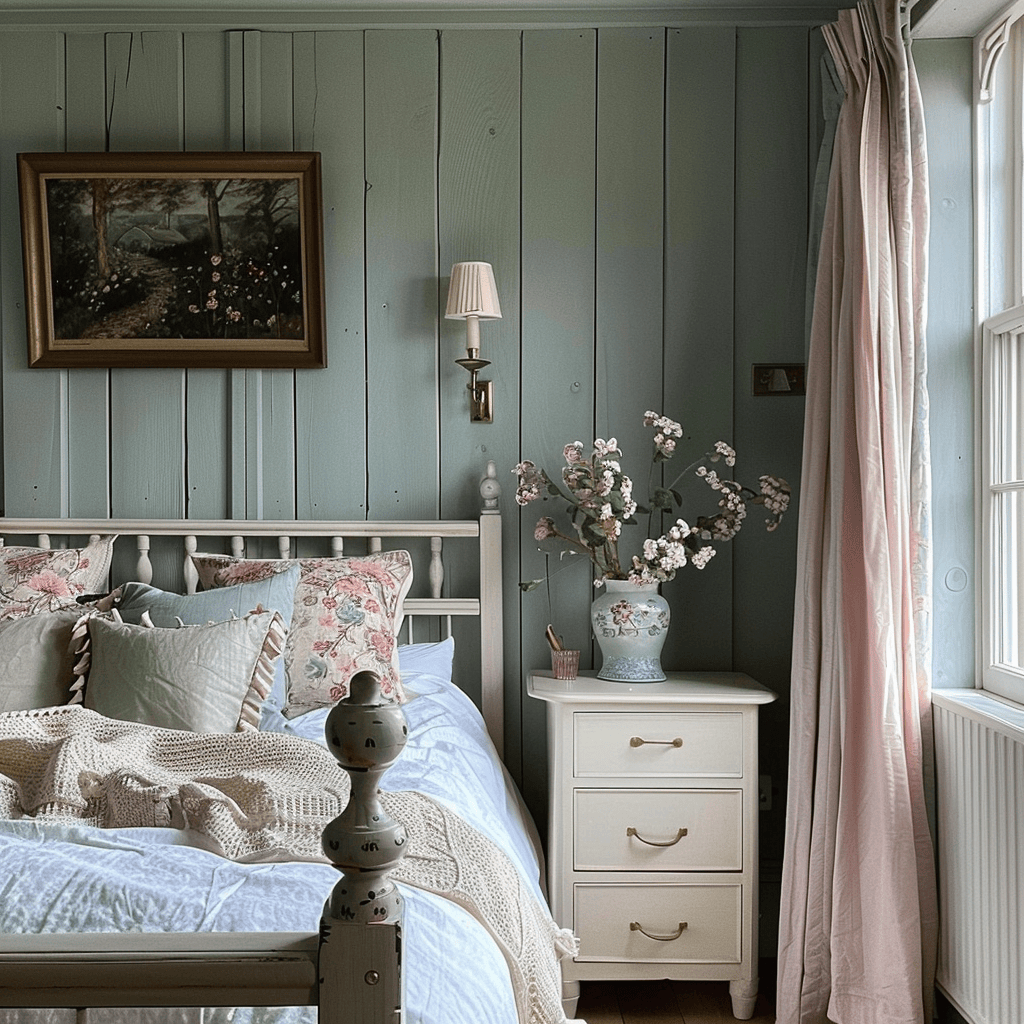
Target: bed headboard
(292, 537)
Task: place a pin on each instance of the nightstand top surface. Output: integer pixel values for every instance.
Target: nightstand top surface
(678, 688)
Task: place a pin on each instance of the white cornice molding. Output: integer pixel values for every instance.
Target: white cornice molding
(411, 13)
(415, 7)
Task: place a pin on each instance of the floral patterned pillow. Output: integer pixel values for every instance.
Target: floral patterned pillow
(346, 618)
(45, 579)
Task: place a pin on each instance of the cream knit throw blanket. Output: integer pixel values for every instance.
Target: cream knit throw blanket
(267, 796)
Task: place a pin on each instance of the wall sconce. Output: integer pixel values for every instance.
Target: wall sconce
(472, 296)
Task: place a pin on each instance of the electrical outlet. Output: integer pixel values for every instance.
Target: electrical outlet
(764, 792)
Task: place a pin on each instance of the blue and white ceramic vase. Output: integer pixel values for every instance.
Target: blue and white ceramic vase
(630, 624)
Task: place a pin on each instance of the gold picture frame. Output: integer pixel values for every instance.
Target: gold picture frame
(173, 259)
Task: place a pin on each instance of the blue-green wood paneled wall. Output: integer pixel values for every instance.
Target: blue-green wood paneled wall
(642, 195)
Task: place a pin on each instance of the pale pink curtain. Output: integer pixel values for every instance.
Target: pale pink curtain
(859, 917)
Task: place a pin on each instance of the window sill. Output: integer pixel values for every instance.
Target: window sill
(986, 709)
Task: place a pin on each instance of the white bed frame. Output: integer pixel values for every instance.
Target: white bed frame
(351, 968)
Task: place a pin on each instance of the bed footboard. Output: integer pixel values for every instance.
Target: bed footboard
(152, 969)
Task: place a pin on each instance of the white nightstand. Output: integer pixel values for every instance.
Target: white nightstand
(652, 840)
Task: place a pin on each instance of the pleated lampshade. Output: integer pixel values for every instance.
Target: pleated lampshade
(472, 292)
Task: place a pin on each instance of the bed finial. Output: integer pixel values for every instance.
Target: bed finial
(365, 736)
(490, 489)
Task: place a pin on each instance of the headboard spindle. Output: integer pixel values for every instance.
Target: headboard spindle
(189, 567)
(436, 570)
(144, 567)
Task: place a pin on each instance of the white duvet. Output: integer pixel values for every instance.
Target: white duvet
(66, 877)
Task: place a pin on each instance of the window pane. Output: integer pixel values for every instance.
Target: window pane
(1005, 623)
(1007, 377)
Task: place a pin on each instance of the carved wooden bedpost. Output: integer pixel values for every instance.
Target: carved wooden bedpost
(492, 665)
(361, 929)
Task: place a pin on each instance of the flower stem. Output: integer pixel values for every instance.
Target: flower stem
(692, 465)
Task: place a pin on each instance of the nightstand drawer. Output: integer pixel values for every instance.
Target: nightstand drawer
(635, 745)
(611, 921)
(639, 830)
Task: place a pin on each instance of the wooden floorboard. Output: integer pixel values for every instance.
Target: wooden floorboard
(664, 1002)
(599, 1003)
(648, 1004)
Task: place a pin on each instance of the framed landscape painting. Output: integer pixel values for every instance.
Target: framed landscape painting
(173, 259)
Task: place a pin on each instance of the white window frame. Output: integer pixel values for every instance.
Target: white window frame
(1000, 623)
(999, 291)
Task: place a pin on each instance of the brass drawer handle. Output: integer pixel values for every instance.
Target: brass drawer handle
(650, 842)
(637, 741)
(635, 926)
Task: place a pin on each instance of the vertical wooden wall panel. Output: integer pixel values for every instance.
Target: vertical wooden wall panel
(235, 43)
(331, 404)
(245, 128)
(270, 394)
(34, 401)
(144, 96)
(401, 273)
(144, 91)
(208, 392)
(478, 214)
(559, 184)
(700, 156)
(771, 233)
(630, 239)
(147, 406)
(88, 390)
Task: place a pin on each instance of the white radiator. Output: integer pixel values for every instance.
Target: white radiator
(979, 762)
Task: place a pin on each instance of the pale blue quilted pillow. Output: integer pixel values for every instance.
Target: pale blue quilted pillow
(275, 593)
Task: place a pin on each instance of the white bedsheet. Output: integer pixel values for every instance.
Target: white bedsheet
(68, 877)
